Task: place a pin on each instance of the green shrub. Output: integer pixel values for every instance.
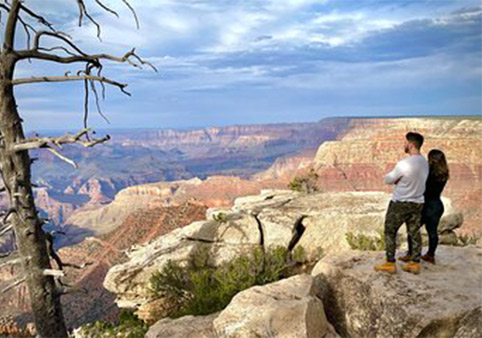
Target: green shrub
(299, 255)
(220, 217)
(199, 288)
(305, 183)
(129, 326)
(366, 243)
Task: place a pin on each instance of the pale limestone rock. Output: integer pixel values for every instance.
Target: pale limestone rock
(287, 308)
(227, 240)
(317, 222)
(184, 327)
(443, 301)
(451, 221)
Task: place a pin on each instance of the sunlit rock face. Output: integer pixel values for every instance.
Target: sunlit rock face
(371, 147)
(317, 222)
(442, 301)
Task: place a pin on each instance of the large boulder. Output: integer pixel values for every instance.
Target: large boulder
(184, 327)
(287, 308)
(443, 301)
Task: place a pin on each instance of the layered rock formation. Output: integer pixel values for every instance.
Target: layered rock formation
(214, 191)
(317, 222)
(242, 139)
(369, 148)
(135, 157)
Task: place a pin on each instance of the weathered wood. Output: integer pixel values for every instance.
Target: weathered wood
(44, 283)
(15, 171)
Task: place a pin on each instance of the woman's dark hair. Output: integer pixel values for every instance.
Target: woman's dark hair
(438, 165)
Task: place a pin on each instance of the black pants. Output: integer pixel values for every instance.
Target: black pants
(431, 213)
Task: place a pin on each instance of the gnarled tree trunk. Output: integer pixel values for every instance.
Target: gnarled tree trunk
(31, 242)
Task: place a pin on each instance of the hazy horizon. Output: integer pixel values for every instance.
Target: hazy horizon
(120, 129)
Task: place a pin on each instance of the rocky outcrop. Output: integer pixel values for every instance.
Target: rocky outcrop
(317, 222)
(287, 308)
(282, 309)
(285, 168)
(443, 301)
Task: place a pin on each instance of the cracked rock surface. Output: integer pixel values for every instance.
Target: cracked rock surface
(317, 222)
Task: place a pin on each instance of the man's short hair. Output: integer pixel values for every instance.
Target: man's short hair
(415, 138)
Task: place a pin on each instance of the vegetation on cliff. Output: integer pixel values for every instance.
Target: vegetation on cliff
(200, 288)
(305, 183)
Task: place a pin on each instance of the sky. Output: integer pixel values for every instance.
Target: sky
(225, 62)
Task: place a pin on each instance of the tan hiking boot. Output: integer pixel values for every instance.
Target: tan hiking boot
(387, 267)
(428, 258)
(413, 267)
(405, 258)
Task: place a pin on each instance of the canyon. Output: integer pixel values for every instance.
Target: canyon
(111, 218)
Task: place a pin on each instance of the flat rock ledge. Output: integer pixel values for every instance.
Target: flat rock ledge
(316, 222)
(345, 297)
(443, 301)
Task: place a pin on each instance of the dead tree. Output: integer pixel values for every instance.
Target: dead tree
(15, 163)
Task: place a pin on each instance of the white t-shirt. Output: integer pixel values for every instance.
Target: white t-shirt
(409, 175)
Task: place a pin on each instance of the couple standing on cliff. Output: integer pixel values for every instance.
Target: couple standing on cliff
(415, 201)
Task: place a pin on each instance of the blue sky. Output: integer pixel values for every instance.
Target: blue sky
(251, 61)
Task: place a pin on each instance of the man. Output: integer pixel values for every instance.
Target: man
(409, 176)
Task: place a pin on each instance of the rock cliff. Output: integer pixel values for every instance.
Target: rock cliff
(370, 148)
(443, 301)
(345, 297)
(214, 191)
(319, 223)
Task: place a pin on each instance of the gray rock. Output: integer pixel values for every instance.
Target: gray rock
(287, 308)
(450, 222)
(443, 301)
(184, 327)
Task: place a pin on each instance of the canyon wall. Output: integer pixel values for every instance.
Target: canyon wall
(370, 147)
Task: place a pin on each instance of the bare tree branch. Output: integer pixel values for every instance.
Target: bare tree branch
(6, 229)
(57, 48)
(62, 157)
(83, 11)
(34, 15)
(44, 142)
(15, 284)
(11, 262)
(57, 35)
(106, 8)
(133, 12)
(72, 78)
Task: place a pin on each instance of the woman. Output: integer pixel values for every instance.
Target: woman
(433, 208)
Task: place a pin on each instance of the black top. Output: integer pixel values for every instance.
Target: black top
(434, 188)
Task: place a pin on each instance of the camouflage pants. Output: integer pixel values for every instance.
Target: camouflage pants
(397, 214)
